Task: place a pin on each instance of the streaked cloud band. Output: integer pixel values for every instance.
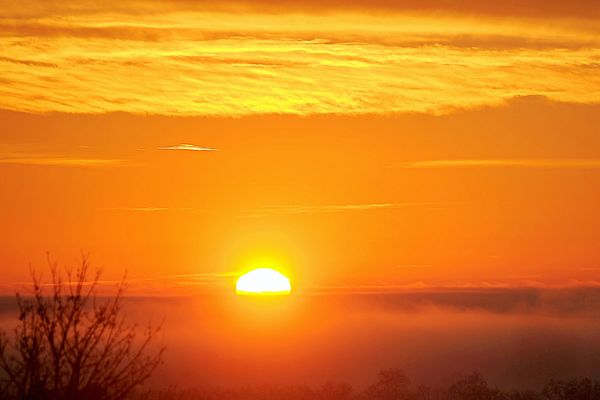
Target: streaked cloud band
(187, 147)
(62, 161)
(323, 208)
(191, 61)
(517, 163)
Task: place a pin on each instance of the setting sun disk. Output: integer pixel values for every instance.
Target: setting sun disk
(263, 281)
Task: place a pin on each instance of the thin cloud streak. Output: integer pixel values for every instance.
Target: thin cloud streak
(469, 286)
(63, 161)
(187, 147)
(202, 276)
(156, 209)
(113, 282)
(331, 208)
(142, 286)
(517, 163)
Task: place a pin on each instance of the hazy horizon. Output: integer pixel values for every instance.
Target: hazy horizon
(517, 338)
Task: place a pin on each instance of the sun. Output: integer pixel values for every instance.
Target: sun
(263, 281)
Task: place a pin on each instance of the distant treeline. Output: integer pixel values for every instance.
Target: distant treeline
(391, 384)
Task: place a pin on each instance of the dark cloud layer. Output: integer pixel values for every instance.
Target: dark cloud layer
(580, 301)
(583, 301)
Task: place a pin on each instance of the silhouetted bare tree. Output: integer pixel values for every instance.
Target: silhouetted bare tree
(70, 343)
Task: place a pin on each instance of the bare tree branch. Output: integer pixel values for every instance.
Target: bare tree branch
(73, 344)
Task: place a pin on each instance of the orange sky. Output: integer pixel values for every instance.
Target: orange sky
(363, 146)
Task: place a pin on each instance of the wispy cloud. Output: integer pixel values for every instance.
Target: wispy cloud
(278, 209)
(464, 286)
(200, 279)
(155, 209)
(329, 208)
(34, 154)
(187, 147)
(205, 280)
(143, 286)
(62, 161)
(518, 163)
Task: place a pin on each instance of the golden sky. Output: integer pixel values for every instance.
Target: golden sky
(357, 145)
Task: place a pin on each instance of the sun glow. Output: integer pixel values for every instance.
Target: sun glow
(263, 281)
